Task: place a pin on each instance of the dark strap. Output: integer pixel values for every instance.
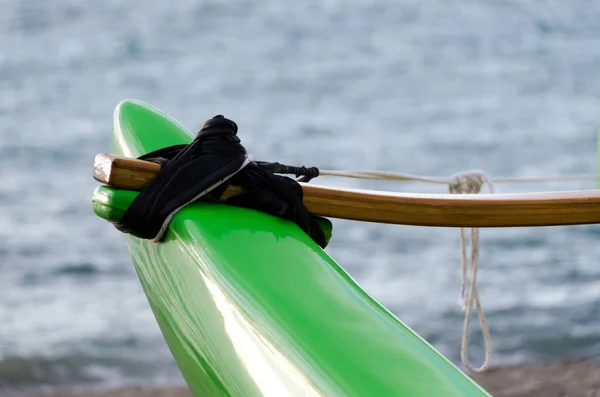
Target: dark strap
(187, 173)
(276, 195)
(305, 174)
(205, 168)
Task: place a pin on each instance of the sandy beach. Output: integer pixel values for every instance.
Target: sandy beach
(577, 378)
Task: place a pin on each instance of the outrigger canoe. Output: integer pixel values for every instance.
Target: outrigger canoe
(250, 305)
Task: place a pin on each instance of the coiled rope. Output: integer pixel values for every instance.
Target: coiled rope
(468, 182)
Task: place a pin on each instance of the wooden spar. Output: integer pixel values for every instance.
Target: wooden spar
(442, 210)
(123, 172)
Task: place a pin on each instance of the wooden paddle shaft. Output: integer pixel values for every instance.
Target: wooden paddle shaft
(442, 210)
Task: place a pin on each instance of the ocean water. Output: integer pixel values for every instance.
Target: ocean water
(423, 87)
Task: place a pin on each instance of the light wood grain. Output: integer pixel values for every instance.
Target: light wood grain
(442, 210)
(124, 173)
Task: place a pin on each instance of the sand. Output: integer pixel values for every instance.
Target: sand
(559, 379)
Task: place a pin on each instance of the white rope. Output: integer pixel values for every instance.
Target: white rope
(396, 176)
(470, 183)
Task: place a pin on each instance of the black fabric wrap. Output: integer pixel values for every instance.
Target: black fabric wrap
(205, 168)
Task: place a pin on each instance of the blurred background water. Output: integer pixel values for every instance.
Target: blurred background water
(423, 87)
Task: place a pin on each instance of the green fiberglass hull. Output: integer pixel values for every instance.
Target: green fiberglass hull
(251, 306)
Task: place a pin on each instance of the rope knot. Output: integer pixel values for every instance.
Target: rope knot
(468, 182)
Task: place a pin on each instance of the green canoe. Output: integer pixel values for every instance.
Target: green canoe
(249, 305)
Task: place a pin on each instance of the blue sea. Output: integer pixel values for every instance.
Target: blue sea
(425, 87)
